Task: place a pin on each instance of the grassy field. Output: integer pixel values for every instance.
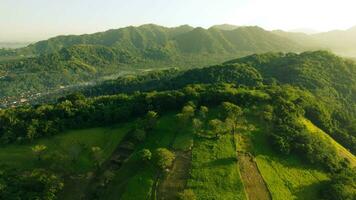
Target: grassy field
(342, 151)
(106, 138)
(214, 172)
(135, 181)
(286, 177)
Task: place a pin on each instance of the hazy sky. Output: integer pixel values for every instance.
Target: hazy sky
(25, 20)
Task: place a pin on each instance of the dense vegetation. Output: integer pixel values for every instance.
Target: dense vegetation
(67, 60)
(275, 89)
(329, 78)
(79, 59)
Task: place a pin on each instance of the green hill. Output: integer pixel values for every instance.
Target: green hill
(225, 27)
(265, 126)
(184, 38)
(80, 59)
(322, 135)
(211, 166)
(76, 59)
(331, 79)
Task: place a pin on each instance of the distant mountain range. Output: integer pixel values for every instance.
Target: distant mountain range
(13, 45)
(73, 59)
(338, 41)
(183, 39)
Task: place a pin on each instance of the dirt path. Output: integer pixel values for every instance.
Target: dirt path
(100, 177)
(175, 181)
(255, 186)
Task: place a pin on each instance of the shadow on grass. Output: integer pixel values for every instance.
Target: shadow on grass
(220, 162)
(262, 147)
(310, 191)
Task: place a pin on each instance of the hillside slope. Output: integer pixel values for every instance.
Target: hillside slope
(322, 135)
(183, 38)
(76, 59)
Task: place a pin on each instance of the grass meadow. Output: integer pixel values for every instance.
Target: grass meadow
(287, 177)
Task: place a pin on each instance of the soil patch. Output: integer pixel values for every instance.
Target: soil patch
(175, 180)
(254, 184)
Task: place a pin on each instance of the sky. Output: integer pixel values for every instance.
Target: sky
(32, 20)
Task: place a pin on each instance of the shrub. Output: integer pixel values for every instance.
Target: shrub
(163, 158)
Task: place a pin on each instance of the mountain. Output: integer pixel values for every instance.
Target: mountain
(76, 59)
(183, 38)
(226, 27)
(303, 39)
(13, 45)
(341, 42)
(304, 30)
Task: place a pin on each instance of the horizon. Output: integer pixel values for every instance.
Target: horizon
(308, 31)
(30, 21)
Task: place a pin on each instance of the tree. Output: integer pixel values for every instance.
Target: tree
(72, 97)
(216, 126)
(163, 158)
(203, 111)
(37, 184)
(187, 194)
(267, 114)
(187, 113)
(197, 125)
(32, 129)
(231, 113)
(150, 120)
(145, 155)
(44, 183)
(38, 150)
(342, 186)
(231, 110)
(31, 132)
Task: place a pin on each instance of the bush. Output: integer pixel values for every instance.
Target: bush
(342, 186)
(36, 184)
(144, 155)
(187, 194)
(163, 158)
